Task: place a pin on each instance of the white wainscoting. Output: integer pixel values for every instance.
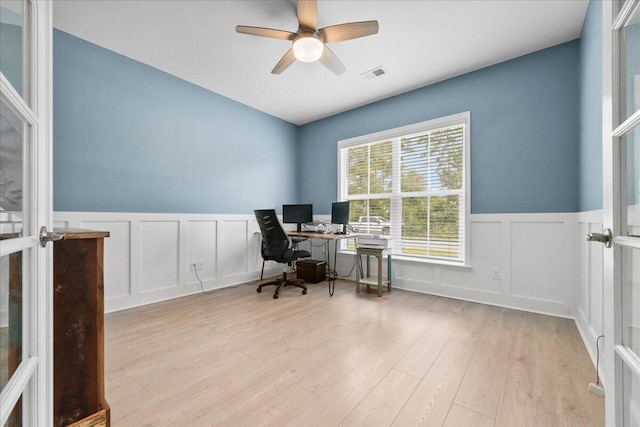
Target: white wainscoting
(147, 259)
(534, 254)
(147, 256)
(590, 281)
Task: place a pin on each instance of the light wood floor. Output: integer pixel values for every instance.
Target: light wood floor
(240, 358)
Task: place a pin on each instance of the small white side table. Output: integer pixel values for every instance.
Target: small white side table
(379, 282)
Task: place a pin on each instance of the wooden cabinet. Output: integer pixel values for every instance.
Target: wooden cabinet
(78, 318)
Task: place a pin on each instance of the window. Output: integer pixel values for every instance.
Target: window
(411, 183)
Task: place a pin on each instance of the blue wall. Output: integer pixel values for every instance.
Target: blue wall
(524, 133)
(130, 138)
(591, 110)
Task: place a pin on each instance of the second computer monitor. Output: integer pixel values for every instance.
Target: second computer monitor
(340, 214)
(297, 214)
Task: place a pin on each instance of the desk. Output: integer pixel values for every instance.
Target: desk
(326, 238)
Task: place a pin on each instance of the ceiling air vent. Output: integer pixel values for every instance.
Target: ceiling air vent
(372, 74)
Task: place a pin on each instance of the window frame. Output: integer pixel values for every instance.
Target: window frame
(463, 118)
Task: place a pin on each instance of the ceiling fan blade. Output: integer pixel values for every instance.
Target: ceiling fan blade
(284, 62)
(352, 30)
(331, 61)
(308, 14)
(265, 32)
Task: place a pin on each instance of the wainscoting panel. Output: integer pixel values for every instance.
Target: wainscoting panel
(485, 251)
(408, 272)
(254, 242)
(159, 260)
(596, 279)
(234, 244)
(583, 301)
(202, 246)
(589, 287)
(537, 261)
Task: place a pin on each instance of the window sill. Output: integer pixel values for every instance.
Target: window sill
(430, 261)
(417, 260)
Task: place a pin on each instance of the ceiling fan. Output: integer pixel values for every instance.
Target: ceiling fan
(309, 43)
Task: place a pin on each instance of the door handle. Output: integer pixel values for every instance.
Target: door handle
(605, 237)
(49, 236)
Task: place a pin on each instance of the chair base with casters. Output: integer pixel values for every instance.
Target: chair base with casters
(283, 282)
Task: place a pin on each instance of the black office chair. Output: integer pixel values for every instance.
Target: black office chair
(294, 245)
(276, 247)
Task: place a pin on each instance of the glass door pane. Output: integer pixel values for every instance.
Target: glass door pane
(631, 65)
(14, 40)
(13, 334)
(631, 203)
(16, 247)
(11, 298)
(631, 299)
(631, 405)
(13, 170)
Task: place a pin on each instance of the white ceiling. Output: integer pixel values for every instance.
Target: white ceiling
(419, 43)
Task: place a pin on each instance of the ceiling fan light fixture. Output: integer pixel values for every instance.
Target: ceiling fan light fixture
(309, 41)
(308, 48)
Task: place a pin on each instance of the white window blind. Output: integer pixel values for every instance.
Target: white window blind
(411, 185)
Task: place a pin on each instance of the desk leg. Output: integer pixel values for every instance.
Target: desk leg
(335, 259)
(330, 274)
(368, 270)
(368, 265)
(389, 272)
(358, 272)
(379, 259)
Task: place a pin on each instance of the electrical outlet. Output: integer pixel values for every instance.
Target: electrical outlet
(495, 274)
(193, 265)
(200, 265)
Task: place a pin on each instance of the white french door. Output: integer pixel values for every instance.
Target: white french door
(621, 167)
(26, 341)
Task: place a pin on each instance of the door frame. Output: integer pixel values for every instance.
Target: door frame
(42, 97)
(609, 198)
(614, 128)
(36, 375)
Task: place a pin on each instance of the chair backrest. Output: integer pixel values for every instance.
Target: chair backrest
(275, 243)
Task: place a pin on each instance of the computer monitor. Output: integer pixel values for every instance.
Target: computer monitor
(340, 214)
(297, 214)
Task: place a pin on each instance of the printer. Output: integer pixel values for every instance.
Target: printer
(376, 241)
